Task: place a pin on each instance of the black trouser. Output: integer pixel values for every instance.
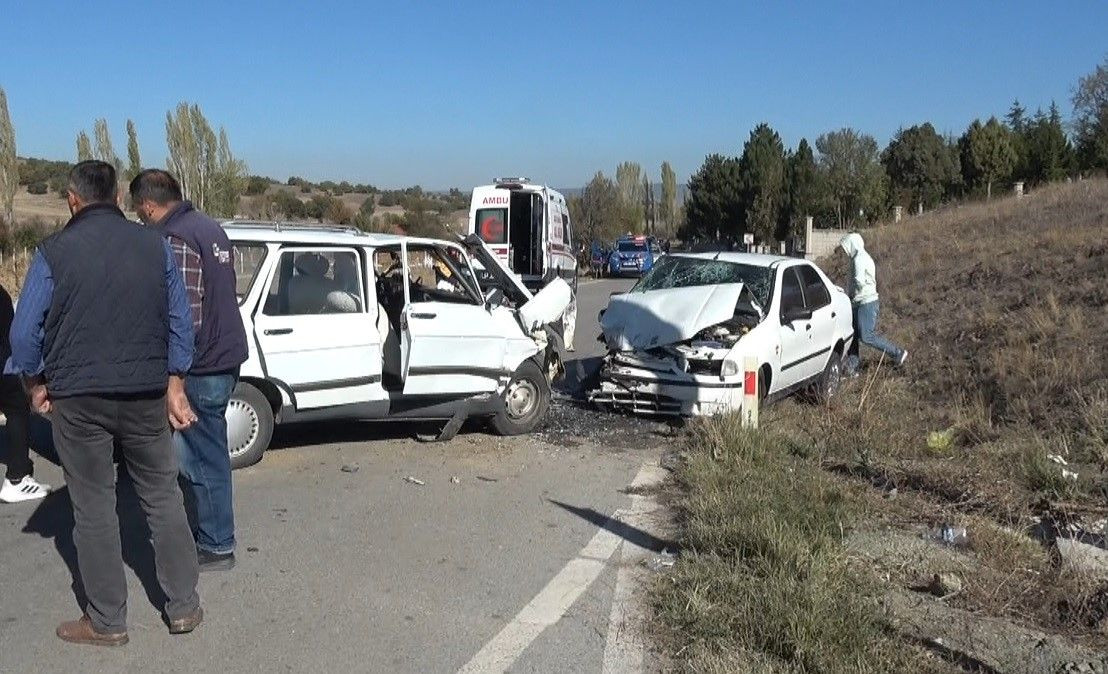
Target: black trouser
(85, 430)
(15, 406)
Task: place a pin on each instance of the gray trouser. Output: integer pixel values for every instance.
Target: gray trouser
(86, 430)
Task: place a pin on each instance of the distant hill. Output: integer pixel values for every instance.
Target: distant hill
(682, 191)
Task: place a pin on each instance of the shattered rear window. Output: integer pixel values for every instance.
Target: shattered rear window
(674, 271)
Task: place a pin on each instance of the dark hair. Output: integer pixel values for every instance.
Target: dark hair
(155, 185)
(93, 181)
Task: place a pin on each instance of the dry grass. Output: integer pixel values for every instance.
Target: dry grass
(1004, 309)
(764, 583)
(1004, 304)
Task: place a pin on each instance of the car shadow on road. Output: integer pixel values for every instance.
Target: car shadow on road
(581, 374)
(325, 432)
(53, 519)
(625, 531)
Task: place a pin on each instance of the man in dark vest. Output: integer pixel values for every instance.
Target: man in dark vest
(207, 264)
(103, 339)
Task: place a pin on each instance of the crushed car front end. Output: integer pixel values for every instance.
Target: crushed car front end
(677, 341)
(667, 382)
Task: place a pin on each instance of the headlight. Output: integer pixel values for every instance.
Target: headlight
(730, 368)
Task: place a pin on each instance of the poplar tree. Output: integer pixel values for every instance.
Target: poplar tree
(9, 165)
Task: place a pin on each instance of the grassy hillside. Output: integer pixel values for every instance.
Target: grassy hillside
(1003, 307)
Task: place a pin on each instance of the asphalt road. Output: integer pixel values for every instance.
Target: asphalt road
(504, 558)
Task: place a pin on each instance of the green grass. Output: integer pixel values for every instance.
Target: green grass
(764, 583)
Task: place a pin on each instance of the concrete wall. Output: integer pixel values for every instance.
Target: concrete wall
(822, 242)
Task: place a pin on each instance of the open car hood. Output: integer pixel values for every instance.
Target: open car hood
(659, 317)
(496, 269)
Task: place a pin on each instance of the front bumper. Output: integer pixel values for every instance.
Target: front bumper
(655, 387)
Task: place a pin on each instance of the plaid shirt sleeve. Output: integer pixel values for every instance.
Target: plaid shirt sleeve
(188, 261)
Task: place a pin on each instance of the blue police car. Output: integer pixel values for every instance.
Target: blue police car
(633, 255)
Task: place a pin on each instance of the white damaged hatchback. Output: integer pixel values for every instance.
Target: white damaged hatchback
(678, 340)
(345, 325)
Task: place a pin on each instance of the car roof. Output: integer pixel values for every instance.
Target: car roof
(301, 233)
(754, 259)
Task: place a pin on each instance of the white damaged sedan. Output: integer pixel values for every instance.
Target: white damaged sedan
(677, 341)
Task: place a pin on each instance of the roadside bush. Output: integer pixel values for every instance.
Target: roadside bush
(256, 185)
(39, 187)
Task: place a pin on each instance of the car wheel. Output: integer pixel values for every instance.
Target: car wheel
(525, 401)
(249, 425)
(831, 380)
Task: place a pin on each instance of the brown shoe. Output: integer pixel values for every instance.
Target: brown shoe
(80, 632)
(188, 623)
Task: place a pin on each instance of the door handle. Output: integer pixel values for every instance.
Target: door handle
(423, 315)
(808, 326)
(279, 331)
(832, 314)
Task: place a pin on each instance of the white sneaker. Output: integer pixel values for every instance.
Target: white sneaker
(27, 489)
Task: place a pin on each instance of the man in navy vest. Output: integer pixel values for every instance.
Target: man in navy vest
(207, 264)
(103, 340)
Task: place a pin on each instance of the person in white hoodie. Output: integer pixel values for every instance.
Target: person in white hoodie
(863, 295)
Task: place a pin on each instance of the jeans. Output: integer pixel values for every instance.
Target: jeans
(14, 405)
(87, 430)
(206, 462)
(865, 332)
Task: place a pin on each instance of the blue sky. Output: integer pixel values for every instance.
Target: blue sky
(455, 93)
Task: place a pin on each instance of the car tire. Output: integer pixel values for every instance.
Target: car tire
(525, 402)
(829, 383)
(249, 425)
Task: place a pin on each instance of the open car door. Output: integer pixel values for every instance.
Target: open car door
(450, 343)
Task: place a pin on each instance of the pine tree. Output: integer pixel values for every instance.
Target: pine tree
(802, 190)
(762, 172)
(987, 154)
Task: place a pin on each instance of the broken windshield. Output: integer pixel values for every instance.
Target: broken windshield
(675, 271)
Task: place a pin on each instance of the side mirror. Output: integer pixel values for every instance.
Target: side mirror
(797, 314)
(494, 297)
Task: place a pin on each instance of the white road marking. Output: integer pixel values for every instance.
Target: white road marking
(555, 599)
(548, 606)
(624, 646)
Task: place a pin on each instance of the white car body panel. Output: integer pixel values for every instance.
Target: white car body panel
(547, 305)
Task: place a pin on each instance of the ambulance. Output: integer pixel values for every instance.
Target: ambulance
(527, 228)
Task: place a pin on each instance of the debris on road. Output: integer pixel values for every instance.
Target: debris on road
(941, 440)
(454, 480)
(945, 584)
(414, 480)
(1057, 458)
(571, 421)
(949, 534)
(349, 468)
(663, 560)
(488, 479)
(1082, 558)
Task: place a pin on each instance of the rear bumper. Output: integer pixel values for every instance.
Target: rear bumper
(653, 393)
